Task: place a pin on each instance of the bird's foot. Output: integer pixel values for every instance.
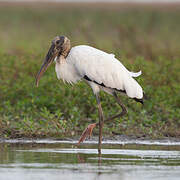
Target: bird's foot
(87, 132)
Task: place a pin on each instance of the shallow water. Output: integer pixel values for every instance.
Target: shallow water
(53, 159)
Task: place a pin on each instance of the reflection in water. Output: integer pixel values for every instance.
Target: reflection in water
(81, 159)
(64, 161)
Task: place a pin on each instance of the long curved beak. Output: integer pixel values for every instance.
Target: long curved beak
(47, 62)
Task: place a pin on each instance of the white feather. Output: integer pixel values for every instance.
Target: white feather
(100, 67)
(135, 74)
(67, 72)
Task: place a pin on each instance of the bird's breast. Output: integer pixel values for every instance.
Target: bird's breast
(66, 72)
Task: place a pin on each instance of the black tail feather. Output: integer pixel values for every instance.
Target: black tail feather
(139, 100)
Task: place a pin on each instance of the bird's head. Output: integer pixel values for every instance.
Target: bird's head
(60, 46)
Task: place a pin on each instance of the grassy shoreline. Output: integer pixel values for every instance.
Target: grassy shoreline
(141, 38)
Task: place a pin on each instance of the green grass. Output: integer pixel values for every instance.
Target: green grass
(142, 39)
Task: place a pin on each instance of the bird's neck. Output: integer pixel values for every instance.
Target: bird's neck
(66, 49)
(61, 59)
(65, 52)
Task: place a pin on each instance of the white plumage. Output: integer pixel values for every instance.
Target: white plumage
(101, 68)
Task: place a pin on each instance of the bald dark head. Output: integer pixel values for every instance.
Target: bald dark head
(60, 47)
(58, 41)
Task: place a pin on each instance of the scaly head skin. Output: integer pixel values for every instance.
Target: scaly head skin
(60, 47)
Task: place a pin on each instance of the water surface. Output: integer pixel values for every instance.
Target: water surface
(53, 159)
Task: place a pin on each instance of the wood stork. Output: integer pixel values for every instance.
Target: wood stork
(102, 71)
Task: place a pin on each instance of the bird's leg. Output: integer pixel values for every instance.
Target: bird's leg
(122, 113)
(101, 122)
(89, 129)
(87, 132)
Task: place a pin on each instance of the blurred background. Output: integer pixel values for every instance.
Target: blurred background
(143, 35)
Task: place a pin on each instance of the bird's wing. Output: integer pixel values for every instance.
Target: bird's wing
(104, 68)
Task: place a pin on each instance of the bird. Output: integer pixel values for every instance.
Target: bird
(100, 70)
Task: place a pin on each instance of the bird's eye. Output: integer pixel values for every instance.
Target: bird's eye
(58, 41)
